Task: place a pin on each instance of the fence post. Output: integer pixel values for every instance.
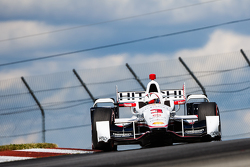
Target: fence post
(133, 73)
(38, 103)
(192, 74)
(84, 85)
(245, 56)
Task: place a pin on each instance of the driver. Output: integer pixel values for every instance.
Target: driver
(152, 98)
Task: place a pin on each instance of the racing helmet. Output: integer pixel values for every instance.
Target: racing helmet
(152, 98)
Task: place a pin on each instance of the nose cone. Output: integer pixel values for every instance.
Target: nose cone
(156, 116)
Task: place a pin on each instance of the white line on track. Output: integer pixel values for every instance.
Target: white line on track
(12, 158)
(63, 151)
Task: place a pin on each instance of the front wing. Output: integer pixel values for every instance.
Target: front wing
(140, 133)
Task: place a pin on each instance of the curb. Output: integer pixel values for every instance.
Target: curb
(16, 155)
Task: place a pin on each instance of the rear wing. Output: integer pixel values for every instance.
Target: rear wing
(177, 95)
(130, 97)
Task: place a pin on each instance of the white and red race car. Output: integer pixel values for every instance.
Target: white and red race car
(154, 121)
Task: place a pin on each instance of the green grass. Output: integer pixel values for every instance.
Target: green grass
(27, 146)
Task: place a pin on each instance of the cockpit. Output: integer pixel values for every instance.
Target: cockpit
(152, 85)
(153, 93)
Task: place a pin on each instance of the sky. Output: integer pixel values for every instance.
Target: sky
(31, 29)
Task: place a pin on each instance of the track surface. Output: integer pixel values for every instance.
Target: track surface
(224, 153)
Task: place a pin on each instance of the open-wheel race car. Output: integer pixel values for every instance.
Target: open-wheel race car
(154, 121)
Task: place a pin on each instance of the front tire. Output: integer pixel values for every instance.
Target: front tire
(102, 114)
(207, 109)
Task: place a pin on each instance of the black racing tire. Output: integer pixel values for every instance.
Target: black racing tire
(207, 109)
(102, 114)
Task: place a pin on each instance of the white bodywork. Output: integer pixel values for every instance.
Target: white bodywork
(103, 131)
(197, 97)
(156, 115)
(213, 123)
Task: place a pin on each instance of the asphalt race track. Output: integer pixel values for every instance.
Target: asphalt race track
(224, 153)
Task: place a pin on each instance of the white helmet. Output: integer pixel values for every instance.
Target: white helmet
(152, 98)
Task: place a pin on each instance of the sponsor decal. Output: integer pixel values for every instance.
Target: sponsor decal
(103, 138)
(122, 134)
(156, 111)
(158, 123)
(194, 131)
(156, 115)
(127, 105)
(216, 133)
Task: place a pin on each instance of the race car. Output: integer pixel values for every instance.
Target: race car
(154, 121)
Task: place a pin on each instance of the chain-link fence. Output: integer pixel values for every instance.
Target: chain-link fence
(55, 108)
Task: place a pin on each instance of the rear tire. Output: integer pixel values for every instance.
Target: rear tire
(102, 114)
(207, 109)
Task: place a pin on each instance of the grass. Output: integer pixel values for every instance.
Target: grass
(27, 146)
